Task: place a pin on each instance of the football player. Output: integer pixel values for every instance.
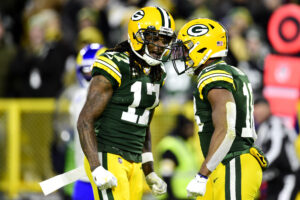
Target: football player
(223, 103)
(124, 91)
(85, 59)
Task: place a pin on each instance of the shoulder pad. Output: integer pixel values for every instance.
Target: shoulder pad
(109, 65)
(214, 75)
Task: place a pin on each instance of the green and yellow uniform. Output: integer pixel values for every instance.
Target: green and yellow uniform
(239, 175)
(121, 128)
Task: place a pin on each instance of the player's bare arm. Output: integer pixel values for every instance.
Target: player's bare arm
(99, 94)
(218, 99)
(148, 166)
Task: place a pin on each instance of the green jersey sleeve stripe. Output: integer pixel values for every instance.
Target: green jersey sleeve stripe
(108, 61)
(213, 78)
(203, 80)
(110, 67)
(109, 71)
(207, 73)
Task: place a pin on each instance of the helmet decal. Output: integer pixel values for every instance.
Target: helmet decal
(197, 30)
(165, 17)
(138, 15)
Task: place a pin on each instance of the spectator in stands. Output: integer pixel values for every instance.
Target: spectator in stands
(76, 15)
(7, 52)
(238, 22)
(253, 66)
(89, 35)
(38, 68)
(281, 179)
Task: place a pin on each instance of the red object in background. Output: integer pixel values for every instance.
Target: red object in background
(284, 29)
(282, 86)
(282, 71)
(263, 190)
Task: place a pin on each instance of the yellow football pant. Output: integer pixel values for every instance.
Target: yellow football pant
(239, 179)
(129, 176)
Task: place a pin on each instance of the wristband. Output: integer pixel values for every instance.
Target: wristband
(147, 157)
(202, 176)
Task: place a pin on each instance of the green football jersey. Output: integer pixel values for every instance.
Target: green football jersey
(121, 128)
(221, 75)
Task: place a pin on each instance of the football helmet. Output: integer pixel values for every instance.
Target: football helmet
(197, 41)
(85, 60)
(146, 27)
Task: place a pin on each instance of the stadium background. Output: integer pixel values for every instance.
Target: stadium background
(38, 34)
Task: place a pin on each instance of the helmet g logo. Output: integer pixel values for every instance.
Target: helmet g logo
(197, 30)
(138, 15)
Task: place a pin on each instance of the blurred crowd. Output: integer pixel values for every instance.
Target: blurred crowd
(39, 39)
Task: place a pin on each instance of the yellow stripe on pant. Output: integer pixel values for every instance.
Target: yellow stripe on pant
(129, 176)
(89, 174)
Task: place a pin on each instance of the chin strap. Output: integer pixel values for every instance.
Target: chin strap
(151, 61)
(191, 70)
(205, 58)
(148, 59)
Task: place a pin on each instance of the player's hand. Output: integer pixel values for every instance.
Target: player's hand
(197, 186)
(157, 185)
(103, 178)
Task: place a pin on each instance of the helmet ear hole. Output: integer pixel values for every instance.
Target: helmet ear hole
(202, 50)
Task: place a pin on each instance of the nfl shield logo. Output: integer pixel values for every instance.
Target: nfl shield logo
(219, 43)
(120, 160)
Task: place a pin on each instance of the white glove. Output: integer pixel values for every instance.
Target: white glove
(197, 186)
(103, 178)
(157, 185)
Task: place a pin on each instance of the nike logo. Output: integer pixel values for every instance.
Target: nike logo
(215, 180)
(109, 56)
(209, 68)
